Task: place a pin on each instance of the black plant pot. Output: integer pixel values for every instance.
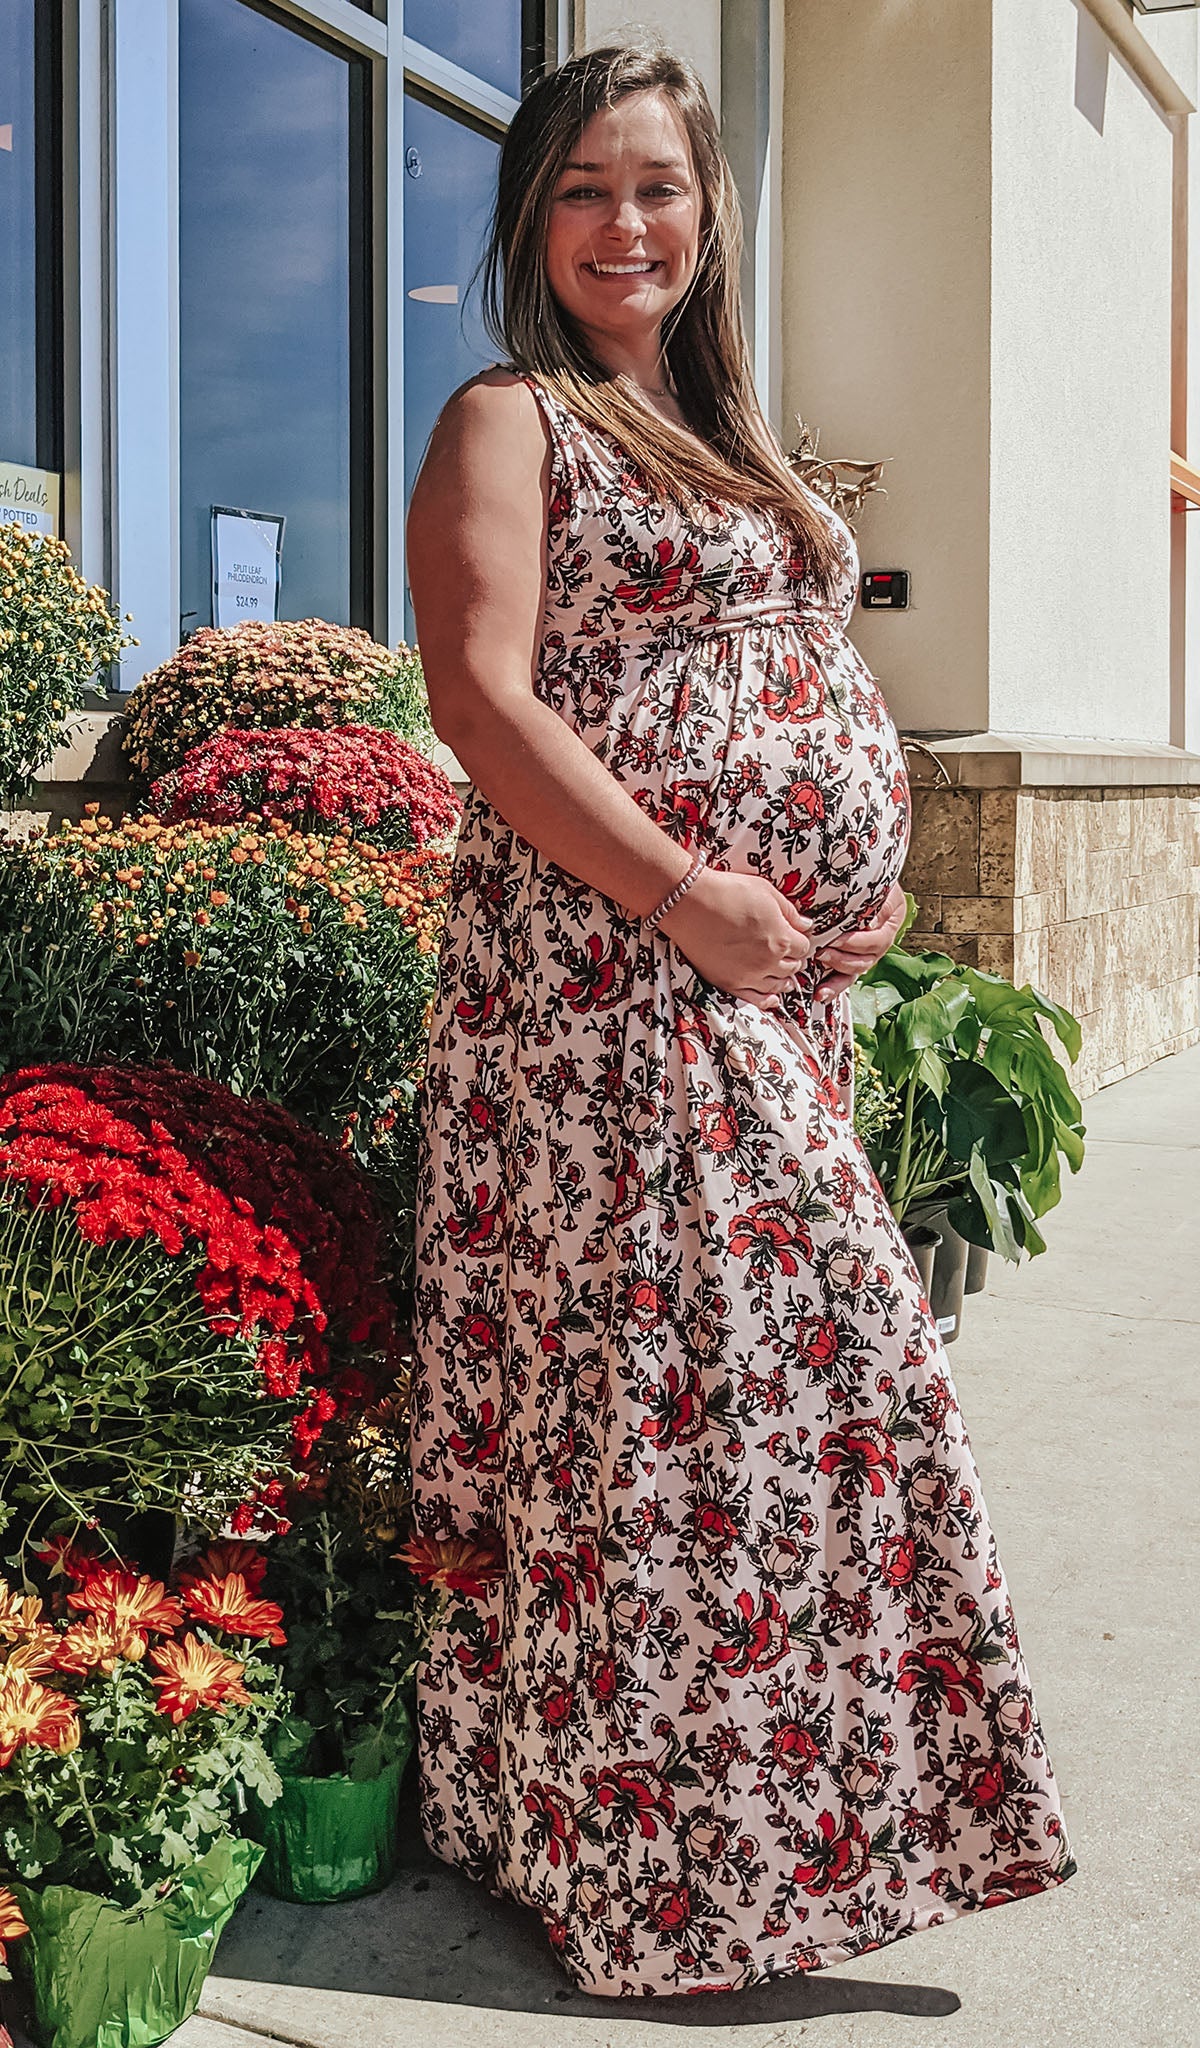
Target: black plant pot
(946, 1283)
(977, 1269)
(923, 1243)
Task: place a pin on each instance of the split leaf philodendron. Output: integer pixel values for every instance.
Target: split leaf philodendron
(984, 1113)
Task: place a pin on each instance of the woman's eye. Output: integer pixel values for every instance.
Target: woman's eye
(580, 192)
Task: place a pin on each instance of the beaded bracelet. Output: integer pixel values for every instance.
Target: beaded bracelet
(654, 918)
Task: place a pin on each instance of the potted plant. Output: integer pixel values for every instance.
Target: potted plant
(983, 1110)
(131, 941)
(56, 633)
(358, 1626)
(302, 672)
(132, 1725)
(190, 1289)
(351, 779)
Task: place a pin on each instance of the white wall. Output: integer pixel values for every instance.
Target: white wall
(692, 28)
(886, 168)
(1080, 384)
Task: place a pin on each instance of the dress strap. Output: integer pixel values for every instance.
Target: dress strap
(565, 475)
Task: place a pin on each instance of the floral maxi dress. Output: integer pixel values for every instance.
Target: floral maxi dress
(748, 1698)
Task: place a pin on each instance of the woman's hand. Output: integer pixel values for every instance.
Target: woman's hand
(853, 953)
(741, 933)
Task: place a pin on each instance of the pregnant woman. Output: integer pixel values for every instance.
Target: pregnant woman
(734, 1687)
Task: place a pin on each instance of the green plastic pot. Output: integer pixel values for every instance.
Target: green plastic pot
(106, 1976)
(330, 1838)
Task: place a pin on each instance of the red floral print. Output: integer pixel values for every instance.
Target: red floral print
(746, 1679)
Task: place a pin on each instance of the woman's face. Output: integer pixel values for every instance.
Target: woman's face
(624, 229)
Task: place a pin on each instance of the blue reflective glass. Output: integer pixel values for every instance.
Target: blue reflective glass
(265, 280)
(448, 194)
(484, 36)
(18, 236)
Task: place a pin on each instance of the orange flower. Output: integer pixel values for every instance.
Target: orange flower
(454, 1564)
(227, 1604)
(20, 1614)
(195, 1674)
(35, 1656)
(220, 1559)
(31, 1716)
(124, 1601)
(98, 1645)
(12, 1926)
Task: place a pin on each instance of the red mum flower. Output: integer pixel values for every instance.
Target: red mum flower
(454, 1564)
(127, 1601)
(196, 1674)
(228, 1604)
(220, 1559)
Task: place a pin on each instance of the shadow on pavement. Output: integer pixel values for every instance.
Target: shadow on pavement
(435, 1936)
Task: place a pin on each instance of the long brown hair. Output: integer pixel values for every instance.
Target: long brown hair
(704, 340)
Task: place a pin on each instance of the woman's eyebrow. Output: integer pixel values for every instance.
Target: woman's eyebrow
(650, 163)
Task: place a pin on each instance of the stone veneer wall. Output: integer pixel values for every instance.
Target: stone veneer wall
(1091, 894)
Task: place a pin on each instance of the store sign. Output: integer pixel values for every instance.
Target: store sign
(29, 497)
(247, 557)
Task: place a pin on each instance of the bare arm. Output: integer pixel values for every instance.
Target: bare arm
(476, 556)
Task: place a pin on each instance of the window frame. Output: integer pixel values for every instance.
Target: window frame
(119, 426)
(49, 253)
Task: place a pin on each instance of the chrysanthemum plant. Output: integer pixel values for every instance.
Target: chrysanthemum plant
(190, 1289)
(352, 779)
(133, 1719)
(296, 673)
(298, 967)
(56, 633)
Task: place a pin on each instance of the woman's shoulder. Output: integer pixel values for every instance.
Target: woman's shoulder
(501, 392)
(495, 414)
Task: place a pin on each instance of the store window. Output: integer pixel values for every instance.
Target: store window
(30, 235)
(449, 190)
(452, 135)
(274, 312)
(486, 41)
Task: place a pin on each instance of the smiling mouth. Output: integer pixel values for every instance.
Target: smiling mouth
(642, 268)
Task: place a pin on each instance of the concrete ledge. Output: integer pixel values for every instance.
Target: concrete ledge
(998, 760)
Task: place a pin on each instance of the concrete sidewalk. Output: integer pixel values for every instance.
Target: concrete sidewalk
(1077, 1375)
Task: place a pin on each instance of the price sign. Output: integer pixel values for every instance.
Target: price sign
(247, 557)
(28, 498)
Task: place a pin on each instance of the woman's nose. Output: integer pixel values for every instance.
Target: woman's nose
(627, 218)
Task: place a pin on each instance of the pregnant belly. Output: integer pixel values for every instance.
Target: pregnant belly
(776, 757)
(821, 810)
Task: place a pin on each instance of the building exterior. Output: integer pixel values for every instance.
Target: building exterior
(243, 240)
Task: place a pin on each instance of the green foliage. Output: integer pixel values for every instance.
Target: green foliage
(299, 968)
(56, 633)
(358, 1622)
(985, 1113)
(131, 1735)
(358, 1628)
(115, 1393)
(875, 1107)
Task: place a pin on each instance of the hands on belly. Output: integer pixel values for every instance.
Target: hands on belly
(853, 952)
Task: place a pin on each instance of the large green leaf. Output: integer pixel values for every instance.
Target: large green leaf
(1005, 1009)
(930, 1019)
(980, 1113)
(994, 1204)
(909, 972)
(869, 1002)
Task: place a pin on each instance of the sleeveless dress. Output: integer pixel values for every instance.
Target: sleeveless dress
(749, 1699)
